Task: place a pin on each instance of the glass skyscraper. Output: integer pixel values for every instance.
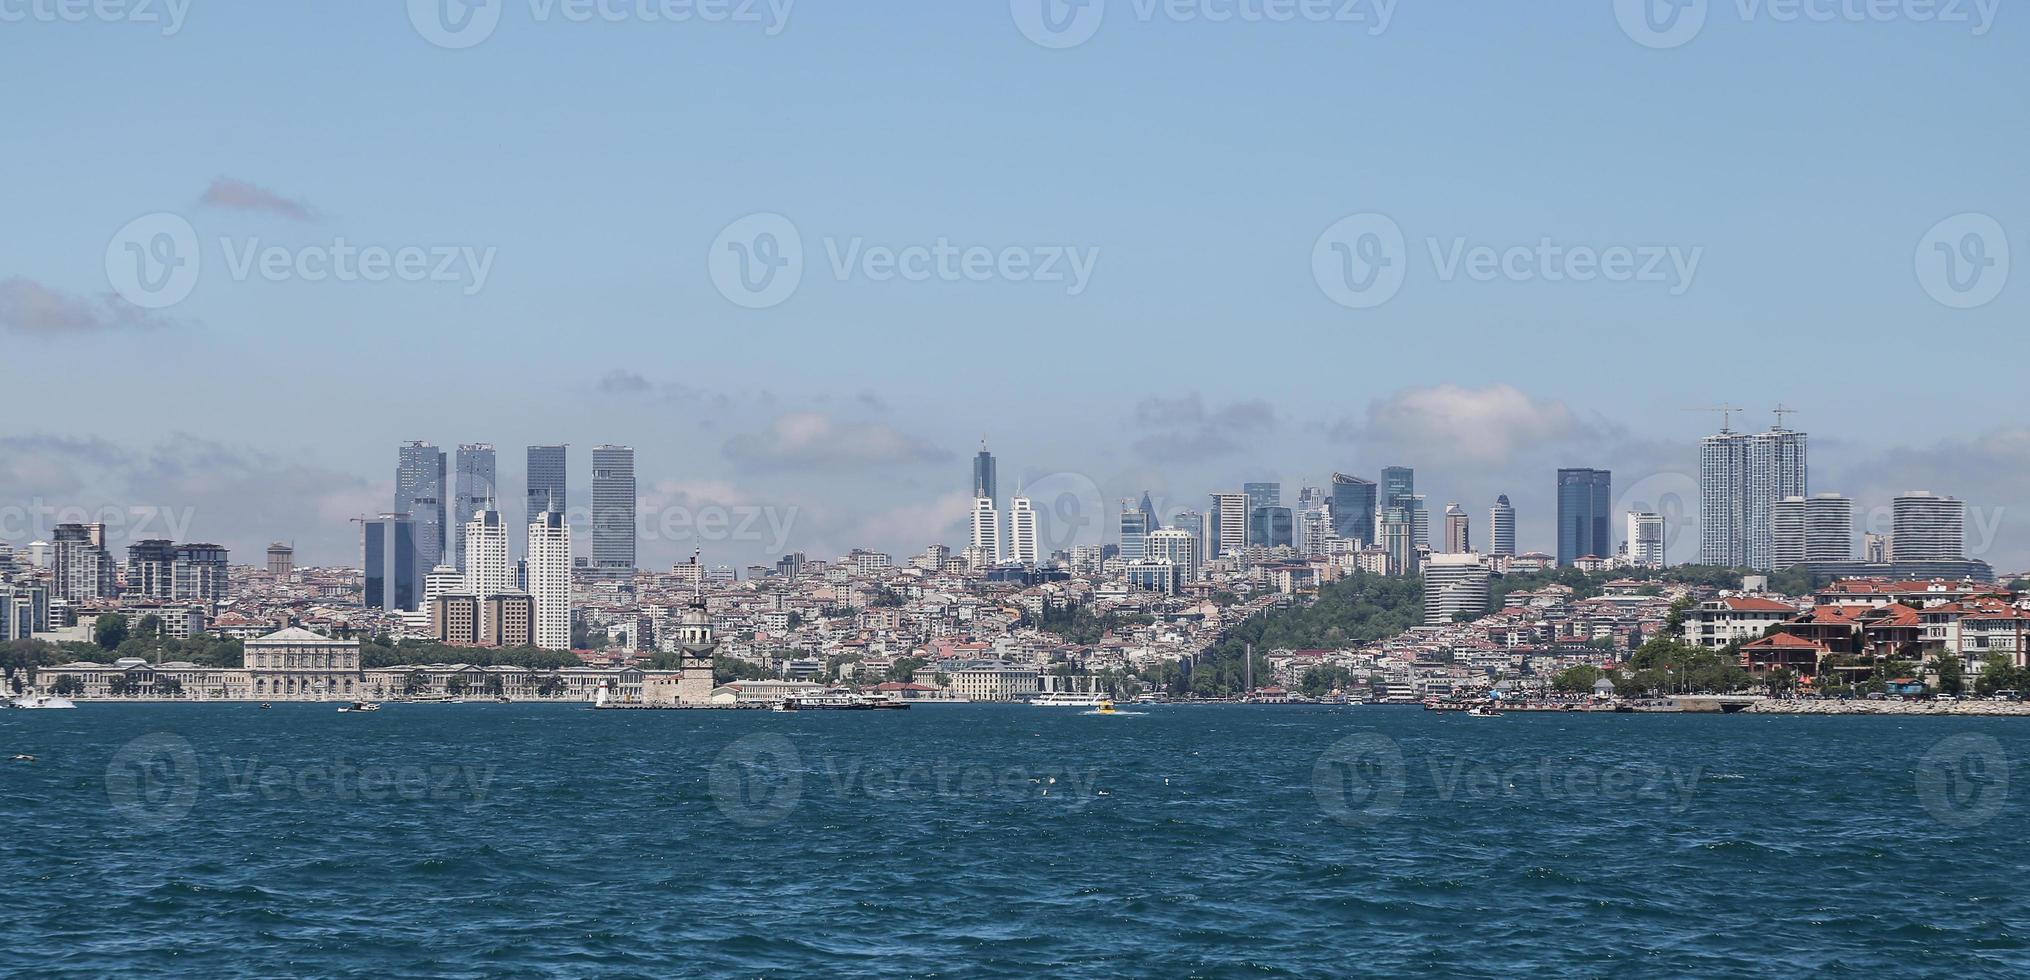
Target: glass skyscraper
(1585, 526)
(388, 546)
(1260, 496)
(473, 490)
(613, 503)
(419, 493)
(983, 473)
(546, 475)
(1354, 505)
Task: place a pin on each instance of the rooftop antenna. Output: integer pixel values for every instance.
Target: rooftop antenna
(1726, 415)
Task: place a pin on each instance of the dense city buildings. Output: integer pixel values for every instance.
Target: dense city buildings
(1585, 519)
(613, 512)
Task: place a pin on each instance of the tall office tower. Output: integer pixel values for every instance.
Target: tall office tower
(1355, 508)
(1397, 533)
(447, 581)
(487, 571)
(1926, 527)
(1134, 531)
(613, 502)
(1022, 545)
(281, 560)
(394, 577)
(1455, 588)
(202, 572)
(472, 490)
(547, 474)
(1875, 549)
(1645, 539)
(1584, 498)
(986, 540)
(1420, 520)
(1501, 527)
(1399, 484)
(1458, 536)
(82, 570)
(1261, 495)
(151, 569)
(550, 579)
(983, 474)
(1149, 518)
(1178, 547)
(1817, 528)
(1271, 527)
(420, 493)
(1230, 522)
(1741, 477)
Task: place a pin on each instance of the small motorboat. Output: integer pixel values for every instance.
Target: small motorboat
(1105, 708)
(22, 758)
(265, 706)
(32, 700)
(359, 706)
(1483, 711)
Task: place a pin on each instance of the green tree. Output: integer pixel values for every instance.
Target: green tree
(150, 627)
(1577, 680)
(119, 686)
(109, 631)
(1952, 675)
(67, 686)
(168, 686)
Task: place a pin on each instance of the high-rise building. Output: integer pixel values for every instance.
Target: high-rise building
(281, 560)
(1022, 544)
(1398, 485)
(1398, 539)
(1178, 547)
(1354, 508)
(202, 573)
(472, 490)
(508, 620)
(983, 475)
(1876, 550)
(487, 570)
(550, 580)
(613, 514)
(1584, 498)
(1455, 588)
(1261, 495)
(986, 540)
(1271, 527)
(1501, 527)
(1815, 528)
(1420, 521)
(1314, 526)
(394, 578)
(1230, 522)
(1645, 539)
(151, 569)
(82, 570)
(1458, 533)
(1741, 477)
(419, 493)
(1135, 530)
(547, 474)
(1927, 527)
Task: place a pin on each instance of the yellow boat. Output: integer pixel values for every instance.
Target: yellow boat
(1105, 708)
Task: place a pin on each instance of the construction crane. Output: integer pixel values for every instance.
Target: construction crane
(1726, 415)
(1781, 411)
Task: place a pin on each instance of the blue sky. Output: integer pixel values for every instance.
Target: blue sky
(1199, 163)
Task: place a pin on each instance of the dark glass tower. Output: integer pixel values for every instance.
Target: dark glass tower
(1584, 526)
(1353, 508)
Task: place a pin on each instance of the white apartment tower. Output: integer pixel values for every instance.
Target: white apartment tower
(550, 580)
(1741, 477)
(1501, 527)
(1927, 527)
(986, 531)
(1645, 539)
(1022, 531)
(1817, 528)
(1178, 547)
(1230, 527)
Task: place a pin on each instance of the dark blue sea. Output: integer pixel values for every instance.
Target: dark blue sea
(487, 840)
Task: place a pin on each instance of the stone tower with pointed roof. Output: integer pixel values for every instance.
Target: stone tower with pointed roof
(696, 645)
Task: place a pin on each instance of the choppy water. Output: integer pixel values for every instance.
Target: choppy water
(491, 840)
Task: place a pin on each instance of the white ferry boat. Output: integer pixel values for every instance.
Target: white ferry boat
(33, 700)
(1070, 699)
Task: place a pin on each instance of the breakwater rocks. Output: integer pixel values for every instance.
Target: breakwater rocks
(1806, 707)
